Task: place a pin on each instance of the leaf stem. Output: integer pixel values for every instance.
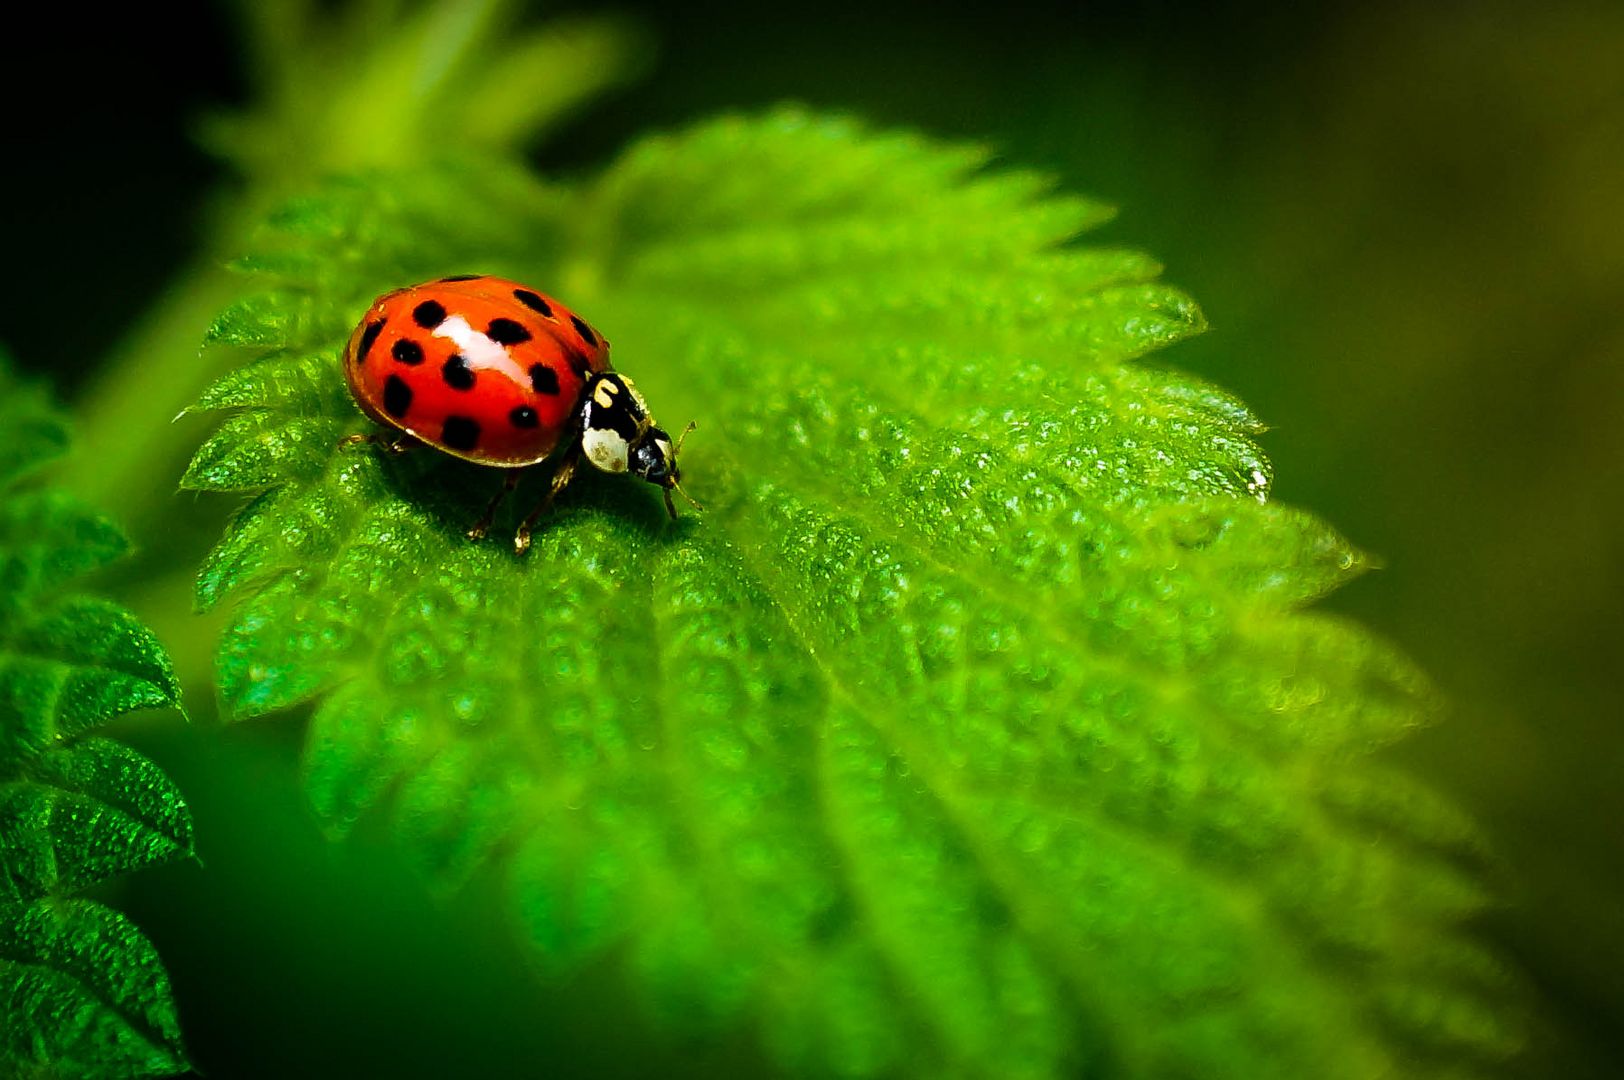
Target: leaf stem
(127, 447)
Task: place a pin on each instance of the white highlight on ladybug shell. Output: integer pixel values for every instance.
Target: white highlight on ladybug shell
(605, 448)
(479, 351)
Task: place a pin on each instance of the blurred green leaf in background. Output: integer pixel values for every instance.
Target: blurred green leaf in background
(1402, 224)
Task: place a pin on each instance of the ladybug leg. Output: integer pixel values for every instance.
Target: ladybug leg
(397, 445)
(521, 539)
(482, 526)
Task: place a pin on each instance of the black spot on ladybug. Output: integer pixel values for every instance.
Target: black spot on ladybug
(462, 277)
(533, 301)
(368, 336)
(584, 330)
(460, 433)
(579, 365)
(506, 332)
(397, 397)
(524, 416)
(456, 373)
(429, 314)
(544, 379)
(407, 352)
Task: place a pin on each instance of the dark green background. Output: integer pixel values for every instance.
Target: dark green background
(1407, 229)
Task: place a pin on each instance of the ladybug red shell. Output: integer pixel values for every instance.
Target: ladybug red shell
(482, 368)
(500, 374)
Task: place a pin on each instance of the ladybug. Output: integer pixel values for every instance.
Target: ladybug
(500, 374)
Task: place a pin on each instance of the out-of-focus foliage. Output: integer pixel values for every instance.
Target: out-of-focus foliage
(351, 86)
(978, 725)
(82, 992)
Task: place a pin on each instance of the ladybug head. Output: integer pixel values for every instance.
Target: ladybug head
(654, 458)
(618, 436)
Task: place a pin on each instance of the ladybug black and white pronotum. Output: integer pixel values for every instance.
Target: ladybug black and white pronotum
(500, 374)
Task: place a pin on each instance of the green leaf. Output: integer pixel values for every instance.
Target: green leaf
(73, 666)
(83, 993)
(35, 432)
(87, 813)
(978, 726)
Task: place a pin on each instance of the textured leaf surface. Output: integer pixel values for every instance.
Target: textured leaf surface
(977, 727)
(82, 993)
(85, 995)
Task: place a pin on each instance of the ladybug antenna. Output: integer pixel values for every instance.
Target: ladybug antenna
(669, 505)
(691, 500)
